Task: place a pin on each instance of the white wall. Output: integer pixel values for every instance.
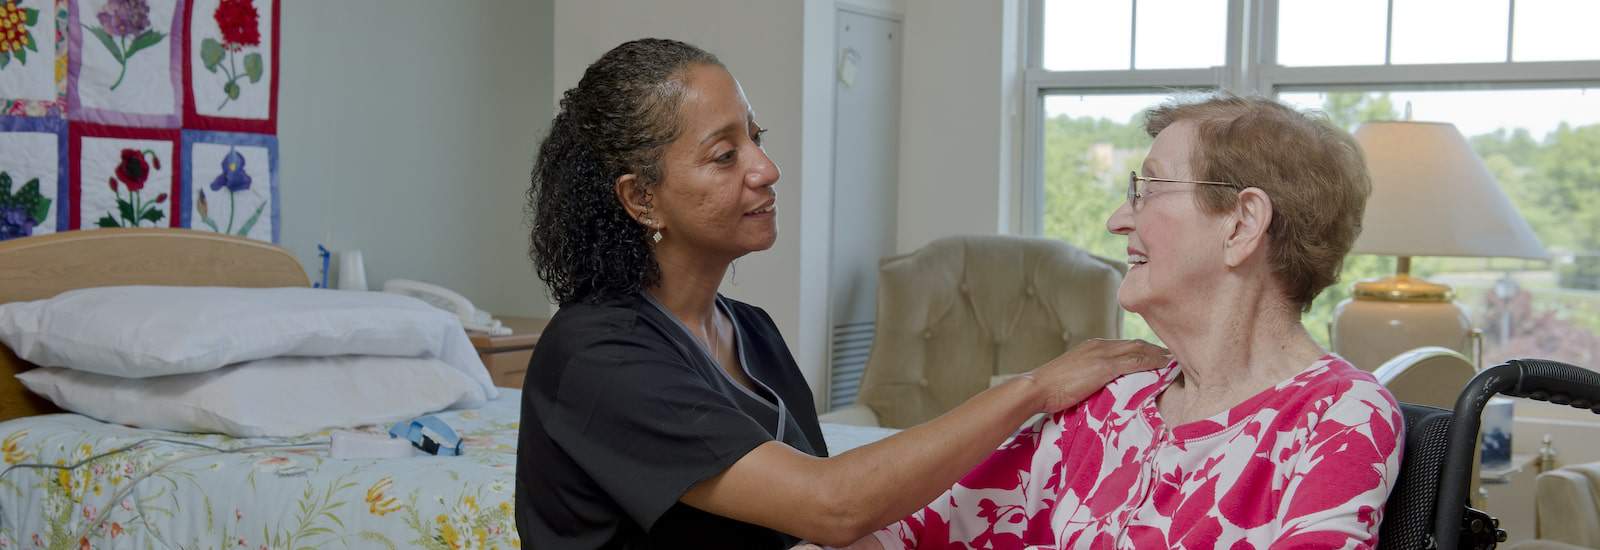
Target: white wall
(764, 45)
(959, 122)
(407, 130)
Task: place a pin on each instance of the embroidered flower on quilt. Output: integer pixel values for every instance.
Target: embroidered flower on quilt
(22, 211)
(233, 175)
(132, 172)
(123, 18)
(235, 180)
(15, 39)
(239, 23)
(125, 30)
(15, 223)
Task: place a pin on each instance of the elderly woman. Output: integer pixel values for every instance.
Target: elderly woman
(1254, 436)
(657, 413)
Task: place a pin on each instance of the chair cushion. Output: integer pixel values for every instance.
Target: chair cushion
(964, 309)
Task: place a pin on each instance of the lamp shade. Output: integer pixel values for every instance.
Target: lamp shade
(1432, 196)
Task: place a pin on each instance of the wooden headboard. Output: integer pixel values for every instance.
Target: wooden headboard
(35, 268)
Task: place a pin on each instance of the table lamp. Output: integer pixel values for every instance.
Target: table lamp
(1431, 196)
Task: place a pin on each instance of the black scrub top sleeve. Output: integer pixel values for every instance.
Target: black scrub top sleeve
(646, 426)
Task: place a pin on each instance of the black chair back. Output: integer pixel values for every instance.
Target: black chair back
(1408, 516)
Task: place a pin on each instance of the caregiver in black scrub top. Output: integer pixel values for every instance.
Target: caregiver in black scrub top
(657, 413)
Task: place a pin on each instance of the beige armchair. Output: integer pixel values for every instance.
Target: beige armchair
(1568, 506)
(964, 310)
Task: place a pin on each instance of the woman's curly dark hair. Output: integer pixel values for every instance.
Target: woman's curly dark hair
(617, 120)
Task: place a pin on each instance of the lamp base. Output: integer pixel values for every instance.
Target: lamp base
(1402, 287)
(1369, 332)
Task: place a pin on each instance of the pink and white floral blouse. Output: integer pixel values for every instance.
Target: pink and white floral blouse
(1305, 464)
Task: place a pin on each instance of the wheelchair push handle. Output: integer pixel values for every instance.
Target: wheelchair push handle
(1557, 383)
(1537, 379)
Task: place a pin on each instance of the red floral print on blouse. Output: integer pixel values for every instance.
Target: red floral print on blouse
(1305, 464)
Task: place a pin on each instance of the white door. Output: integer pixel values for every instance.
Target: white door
(866, 152)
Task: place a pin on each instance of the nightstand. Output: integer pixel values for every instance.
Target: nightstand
(507, 356)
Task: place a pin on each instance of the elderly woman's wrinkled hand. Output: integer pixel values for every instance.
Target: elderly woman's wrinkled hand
(1087, 367)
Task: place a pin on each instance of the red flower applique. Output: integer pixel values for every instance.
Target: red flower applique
(239, 23)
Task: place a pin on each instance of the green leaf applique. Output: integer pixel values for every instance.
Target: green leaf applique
(252, 67)
(211, 54)
(110, 43)
(38, 204)
(126, 209)
(148, 39)
(250, 223)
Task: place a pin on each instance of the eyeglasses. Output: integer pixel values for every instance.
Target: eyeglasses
(1137, 186)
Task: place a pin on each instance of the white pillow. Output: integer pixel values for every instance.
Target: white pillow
(283, 397)
(140, 331)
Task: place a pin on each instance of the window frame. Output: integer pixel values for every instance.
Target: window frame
(1250, 68)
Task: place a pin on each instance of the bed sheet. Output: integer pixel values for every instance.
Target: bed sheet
(279, 498)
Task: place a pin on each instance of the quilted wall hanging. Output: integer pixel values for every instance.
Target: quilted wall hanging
(139, 113)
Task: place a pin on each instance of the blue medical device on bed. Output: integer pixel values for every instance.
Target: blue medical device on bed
(322, 252)
(430, 434)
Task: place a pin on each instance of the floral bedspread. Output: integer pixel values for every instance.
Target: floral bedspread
(289, 499)
(272, 499)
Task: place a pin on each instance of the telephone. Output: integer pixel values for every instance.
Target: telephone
(471, 318)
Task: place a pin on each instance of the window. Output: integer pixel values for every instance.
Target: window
(1128, 34)
(1091, 142)
(1546, 155)
(1520, 79)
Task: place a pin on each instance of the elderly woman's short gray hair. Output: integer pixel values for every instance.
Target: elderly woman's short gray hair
(1312, 170)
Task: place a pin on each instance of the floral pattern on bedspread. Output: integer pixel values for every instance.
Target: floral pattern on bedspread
(268, 499)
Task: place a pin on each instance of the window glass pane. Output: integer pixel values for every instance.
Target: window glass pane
(1544, 148)
(1556, 30)
(1091, 142)
(1087, 34)
(1310, 34)
(1180, 34)
(1449, 31)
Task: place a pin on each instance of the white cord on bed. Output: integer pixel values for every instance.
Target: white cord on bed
(123, 493)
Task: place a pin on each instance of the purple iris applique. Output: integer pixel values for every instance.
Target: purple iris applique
(235, 180)
(233, 175)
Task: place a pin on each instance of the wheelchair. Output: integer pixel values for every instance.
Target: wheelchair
(1429, 507)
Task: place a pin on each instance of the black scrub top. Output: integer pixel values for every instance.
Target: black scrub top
(623, 411)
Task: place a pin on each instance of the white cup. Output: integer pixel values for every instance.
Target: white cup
(352, 271)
